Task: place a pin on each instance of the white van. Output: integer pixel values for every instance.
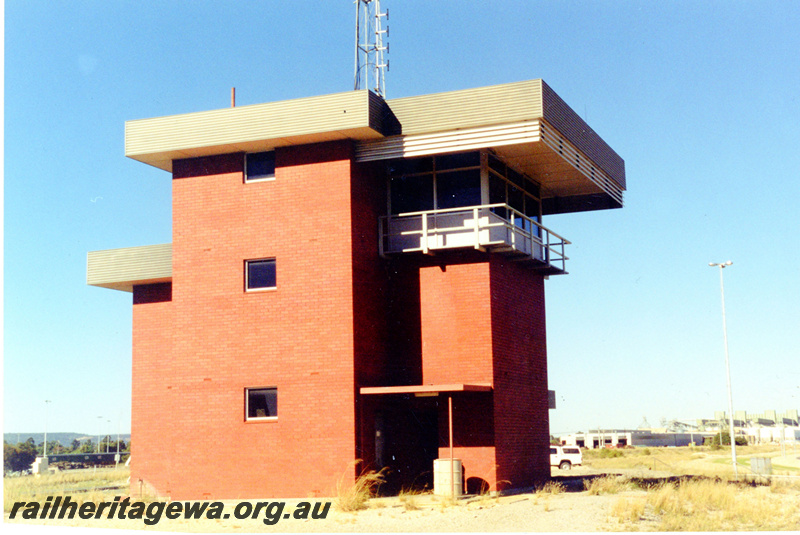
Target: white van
(565, 457)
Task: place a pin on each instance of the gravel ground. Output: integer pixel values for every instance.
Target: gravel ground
(571, 511)
(524, 512)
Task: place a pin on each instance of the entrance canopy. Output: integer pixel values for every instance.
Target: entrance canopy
(432, 389)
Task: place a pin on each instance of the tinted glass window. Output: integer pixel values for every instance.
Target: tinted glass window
(262, 402)
(516, 198)
(411, 166)
(497, 194)
(260, 166)
(457, 161)
(411, 193)
(515, 177)
(532, 208)
(532, 188)
(261, 274)
(497, 165)
(458, 188)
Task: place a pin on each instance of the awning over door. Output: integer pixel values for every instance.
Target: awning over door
(433, 389)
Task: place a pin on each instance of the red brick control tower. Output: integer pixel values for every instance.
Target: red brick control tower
(352, 278)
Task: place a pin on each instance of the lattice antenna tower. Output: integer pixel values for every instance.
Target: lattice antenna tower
(370, 64)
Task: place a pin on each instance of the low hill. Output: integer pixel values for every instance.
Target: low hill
(64, 439)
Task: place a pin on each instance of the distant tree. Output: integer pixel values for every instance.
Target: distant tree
(76, 445)
(9, 451)
(86, 447)
(724, 439)
(19, 457)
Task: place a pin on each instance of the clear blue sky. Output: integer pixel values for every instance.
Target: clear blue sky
(700, 98)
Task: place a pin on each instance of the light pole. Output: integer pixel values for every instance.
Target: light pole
(46, 405)
(721, 266)
(100, 433)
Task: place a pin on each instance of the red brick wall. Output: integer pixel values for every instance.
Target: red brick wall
(152, 340)
(483, 322)
(368, 193)
(298, 337)
(455, 308)
(456, 328)
(520, 374)
(340, 318)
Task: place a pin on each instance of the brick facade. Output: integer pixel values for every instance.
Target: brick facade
(339, 319)
(190, 381)
(364, 350)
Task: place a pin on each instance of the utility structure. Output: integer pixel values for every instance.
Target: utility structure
(371, 66)
(350, 278)
(732, 434)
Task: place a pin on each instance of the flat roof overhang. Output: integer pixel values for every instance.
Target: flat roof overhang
(432, 389)
(358, 115)
(122, 269)
(527, 125)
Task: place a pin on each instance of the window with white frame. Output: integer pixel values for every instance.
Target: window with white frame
(261, 403)
(260, 274)
(259, 166)
(461, 179)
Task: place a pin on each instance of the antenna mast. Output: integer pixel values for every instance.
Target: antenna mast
(370, 65)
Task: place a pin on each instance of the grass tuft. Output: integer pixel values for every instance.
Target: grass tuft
(353, 496)
(408, 497)
(713, 505)
(607, 485)
(630, 511)
(550, 488)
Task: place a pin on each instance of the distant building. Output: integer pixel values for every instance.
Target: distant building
(636, 437)
(342, 268)
(757, 428)
(765, 427)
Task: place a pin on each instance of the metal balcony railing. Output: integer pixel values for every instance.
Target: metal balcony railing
(490, 227)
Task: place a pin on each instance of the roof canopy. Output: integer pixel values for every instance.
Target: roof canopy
(526, 123)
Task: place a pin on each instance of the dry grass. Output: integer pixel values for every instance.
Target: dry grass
(785, 486)
(713, 505)
(81, 485)
(607, 485)
(550, 488)
(353, 496)
(697, 460)
(409, 498)
(628, 510)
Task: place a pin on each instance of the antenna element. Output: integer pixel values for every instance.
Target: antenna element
(370, 65)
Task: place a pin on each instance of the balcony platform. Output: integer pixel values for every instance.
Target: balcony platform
(493, 228)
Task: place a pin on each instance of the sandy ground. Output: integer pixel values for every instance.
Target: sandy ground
(524, 512)
(571, 511)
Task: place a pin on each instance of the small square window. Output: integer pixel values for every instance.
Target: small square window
(261, 403)
(260, 166)
(260, 274)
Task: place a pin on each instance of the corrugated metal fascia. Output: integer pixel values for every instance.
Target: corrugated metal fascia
(453, 141)
(329, 113)
(581, 135)
(484, 106)
(129, 264)
(580, 162)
